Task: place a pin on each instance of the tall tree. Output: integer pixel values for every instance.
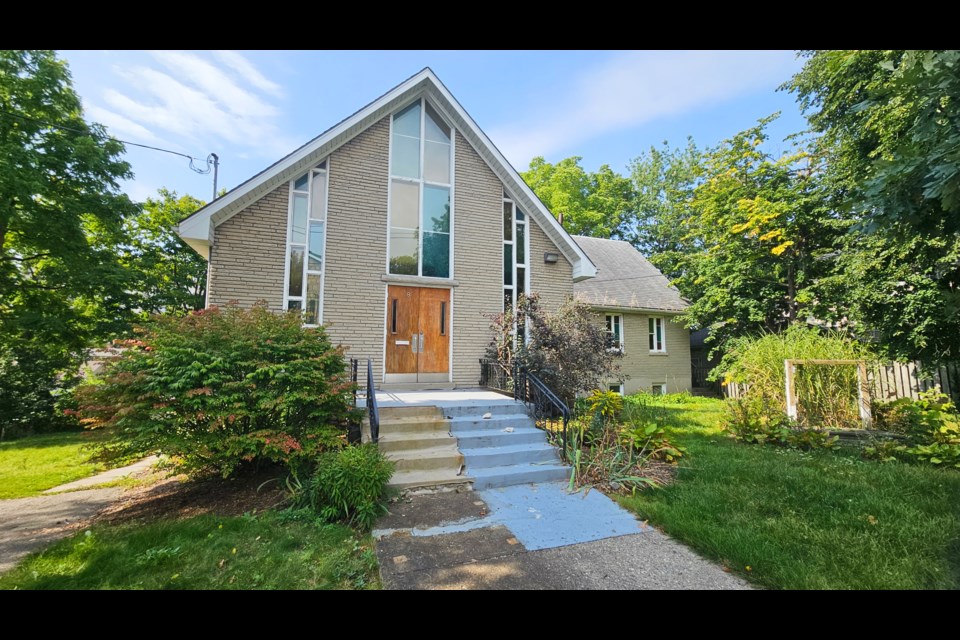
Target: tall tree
(171, 277)
(590, 203)
(663, 179)
(888, 126)
(757, 235)
(61, 219)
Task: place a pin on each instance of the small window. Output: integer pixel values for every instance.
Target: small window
(617, 388)
(393, 317)
(615, 332)
(658, 389)
(443, 318)
(658, 342)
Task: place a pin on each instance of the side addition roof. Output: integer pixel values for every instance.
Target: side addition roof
(197, 230)
(625, 279)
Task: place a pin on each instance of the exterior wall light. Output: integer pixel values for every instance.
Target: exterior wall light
(551, 258)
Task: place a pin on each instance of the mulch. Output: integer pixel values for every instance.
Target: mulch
(178, 497)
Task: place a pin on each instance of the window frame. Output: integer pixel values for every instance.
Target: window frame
(312, 174)
(663, 388)
(619, 386)
(652, 323)
(421, 183)
(608, 320)
(514, 266)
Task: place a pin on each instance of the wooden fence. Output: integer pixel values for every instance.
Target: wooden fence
(895, 380)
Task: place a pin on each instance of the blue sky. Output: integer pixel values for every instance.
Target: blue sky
(252, 108)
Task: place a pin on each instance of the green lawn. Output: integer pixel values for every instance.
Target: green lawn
(30, 465)
(822, 520)
(269, 551)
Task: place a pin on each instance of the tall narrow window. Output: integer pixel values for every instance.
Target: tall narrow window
(514, 252)
(658, 343)
(420, 184)
(615, 332)
(306, 240)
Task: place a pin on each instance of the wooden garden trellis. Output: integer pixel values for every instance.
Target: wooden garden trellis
(863, 387)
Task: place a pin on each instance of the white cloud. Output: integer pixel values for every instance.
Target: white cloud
(634, 88)
(120, 126)
(248, 72)
(192, 101)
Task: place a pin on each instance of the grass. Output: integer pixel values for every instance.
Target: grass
(275, 550)
(794, 520)
(33, 464)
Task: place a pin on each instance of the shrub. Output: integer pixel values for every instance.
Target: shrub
(348, 486)
(222, 389)
(752, 421)
(567, 349)
(32, 386)
(930, 427)
(826, 395)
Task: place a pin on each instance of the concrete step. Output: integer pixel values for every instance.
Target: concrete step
(464, 424)
(503, 456)
(400, 413)
(506, 407)
(445, 457)
(505, 476)
(407, 441)
(489, 438)
(414, 425)
(433, 478)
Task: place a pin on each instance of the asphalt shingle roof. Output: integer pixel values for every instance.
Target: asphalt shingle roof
(625, 279)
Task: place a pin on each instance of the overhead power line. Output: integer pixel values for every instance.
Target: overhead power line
(212, 160)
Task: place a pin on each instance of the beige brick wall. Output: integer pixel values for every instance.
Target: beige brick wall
(478, 259)
(643, 368)
(247, 259)
(354, 295)
(247, 262)
(554, 282)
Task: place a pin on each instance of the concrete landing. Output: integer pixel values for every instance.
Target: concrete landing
(540, 538)
(440, 398)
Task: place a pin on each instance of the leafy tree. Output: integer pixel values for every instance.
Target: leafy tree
(887, 125)
(757, 229)
(663, 180)
(61, 219)
(588, 203)
(171, 277)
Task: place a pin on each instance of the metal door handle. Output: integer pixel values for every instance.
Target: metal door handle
(421, 341)
(413, 343)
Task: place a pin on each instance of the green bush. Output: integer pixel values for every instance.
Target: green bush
(348, 486)
(826, 394)
(930, 427)
(223, 389)
(32, 388)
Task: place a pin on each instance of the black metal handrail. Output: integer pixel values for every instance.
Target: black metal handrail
(548, 411)
(494, 376)
(373, 412)
(354, 366)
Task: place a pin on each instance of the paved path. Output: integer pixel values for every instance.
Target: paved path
(27, 524)
(533, 537)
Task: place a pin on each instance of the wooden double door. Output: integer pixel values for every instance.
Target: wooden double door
(418, 334)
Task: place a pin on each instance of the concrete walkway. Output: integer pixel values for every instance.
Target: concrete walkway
(26, 524)
(532, 537)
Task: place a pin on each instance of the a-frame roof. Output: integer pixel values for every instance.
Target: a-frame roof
(197, 230)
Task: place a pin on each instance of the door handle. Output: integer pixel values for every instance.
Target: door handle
(421, 341)
(413, 343)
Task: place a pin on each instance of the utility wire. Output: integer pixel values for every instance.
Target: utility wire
(80, 131)
(213, 160)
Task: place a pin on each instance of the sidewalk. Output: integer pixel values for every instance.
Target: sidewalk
(532, 537)
(27, 524)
